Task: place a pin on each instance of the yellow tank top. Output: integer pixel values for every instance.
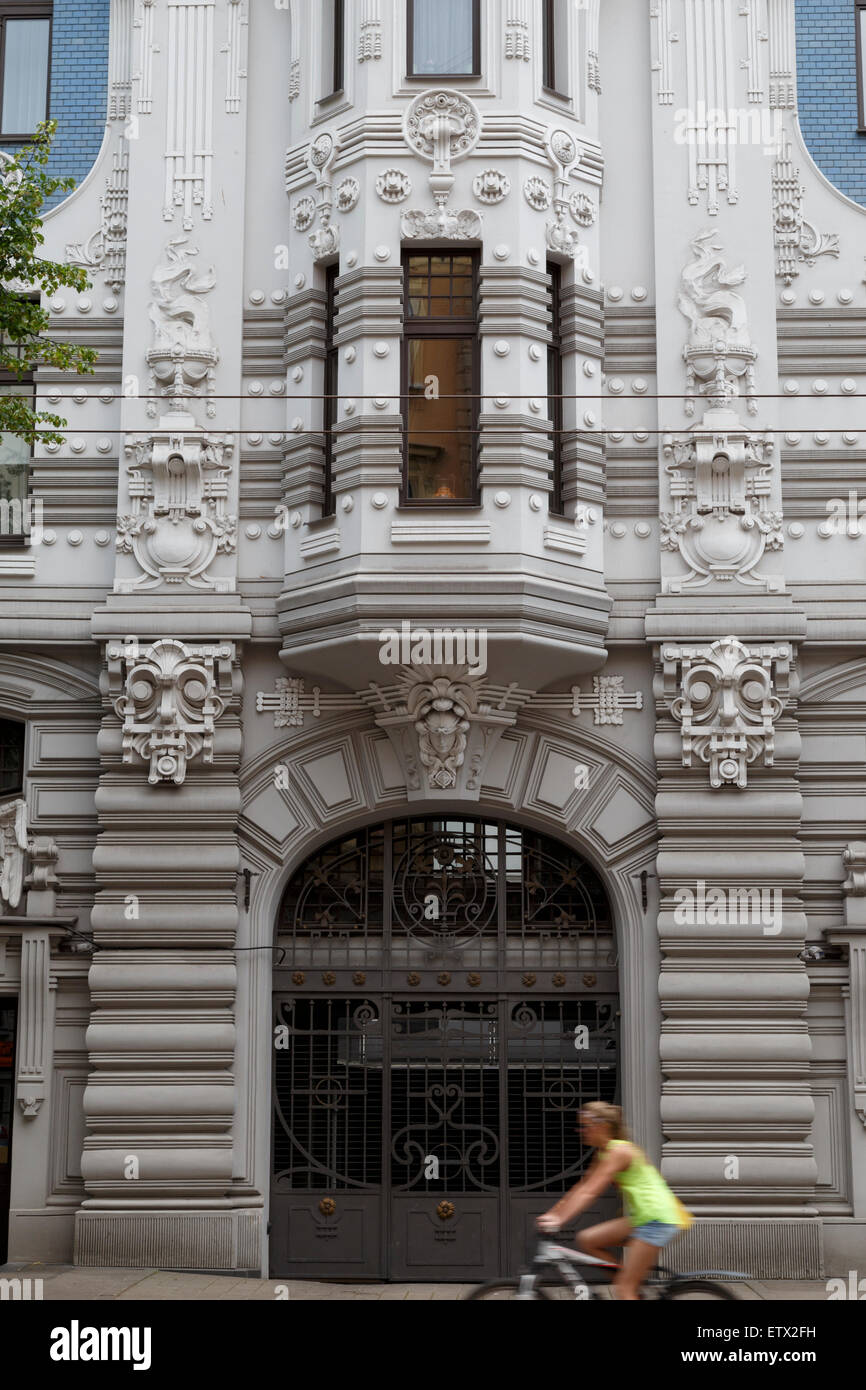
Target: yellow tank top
(646, 1195)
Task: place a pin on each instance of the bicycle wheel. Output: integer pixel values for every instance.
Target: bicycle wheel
(695, 1289)
(504, 1289)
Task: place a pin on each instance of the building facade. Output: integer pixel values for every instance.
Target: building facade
(397, 749)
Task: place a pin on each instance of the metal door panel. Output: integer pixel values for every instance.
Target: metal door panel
(454, 1237)
(317, 1237)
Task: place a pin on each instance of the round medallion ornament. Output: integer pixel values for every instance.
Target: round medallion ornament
(321, 150)
(327, 1206)
(564, 149)
(298, 977)
(491, 186)
(348, 193)
(393, 186)
(445, 1211)
(582, 209)
(303, 214)
(442, 123)
(537, 193)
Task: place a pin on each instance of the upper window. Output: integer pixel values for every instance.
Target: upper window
(440, 377)
(333, 30)
(329, 412)
(444, 38)
(555, 45)
(25, 53)
(861, 63)
(11, 757)
(554, 386)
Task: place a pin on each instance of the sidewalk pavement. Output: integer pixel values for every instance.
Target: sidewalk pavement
(74, 1284)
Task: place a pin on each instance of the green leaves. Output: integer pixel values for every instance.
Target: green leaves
(24, 275)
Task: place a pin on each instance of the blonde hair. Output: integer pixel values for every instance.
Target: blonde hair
(605, 1114)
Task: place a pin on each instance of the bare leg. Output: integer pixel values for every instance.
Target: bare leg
(600, 1240)
(637, 1262)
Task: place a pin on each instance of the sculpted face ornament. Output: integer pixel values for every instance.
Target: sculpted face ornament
(729, 699)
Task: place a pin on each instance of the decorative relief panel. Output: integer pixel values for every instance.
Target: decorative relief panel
(143, 22)
(441, 127)
(798, 241)
(16, 846)
(710, 72)
(189, 116)
(178, 486)
(727, 697)
(169, 697)
(722, 523)
(235, 49)
(370, 34)
(183, 355)
(179, 475)
(719, 352)
(518, 39)
(783, 87)
(665, 36)
(105, 249)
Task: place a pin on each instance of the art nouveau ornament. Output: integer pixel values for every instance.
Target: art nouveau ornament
(722, 522)
(393, 185)
(105, 249)
(442, 127)
(13, 847)
(719, 353)
(17, 845)
(178, 487)
(169, 697)
(727, 697)
(441, 221)
(491, 186)
(183, 355)
(798, 241)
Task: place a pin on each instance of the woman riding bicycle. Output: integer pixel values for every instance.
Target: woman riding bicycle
(654, 1214)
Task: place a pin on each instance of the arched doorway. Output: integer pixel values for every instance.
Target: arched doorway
(446, 1002)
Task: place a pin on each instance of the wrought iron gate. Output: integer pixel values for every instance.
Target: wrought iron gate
(447, 1003)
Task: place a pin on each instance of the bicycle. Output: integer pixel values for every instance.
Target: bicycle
(555, 1268)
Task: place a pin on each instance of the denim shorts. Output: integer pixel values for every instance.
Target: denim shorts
(657, 1233)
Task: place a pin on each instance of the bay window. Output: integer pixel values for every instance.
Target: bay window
(554, 386)
(440, 377)
(443, 38)
(333, 47)
(554, 44)
(329, 405)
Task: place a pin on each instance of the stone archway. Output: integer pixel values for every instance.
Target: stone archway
(446, 1002)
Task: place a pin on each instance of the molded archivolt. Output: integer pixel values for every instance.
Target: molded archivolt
(830, 686)
(28, 682)
(340, 778)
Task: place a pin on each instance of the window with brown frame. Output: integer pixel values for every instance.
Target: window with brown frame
(860, 6)
(440, 377)
(329, 405)
(443, 38)
(554, 46)
(25, 67)
(554, 386)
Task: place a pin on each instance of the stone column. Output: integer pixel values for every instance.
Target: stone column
(159, 1105)
(736, 1107)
